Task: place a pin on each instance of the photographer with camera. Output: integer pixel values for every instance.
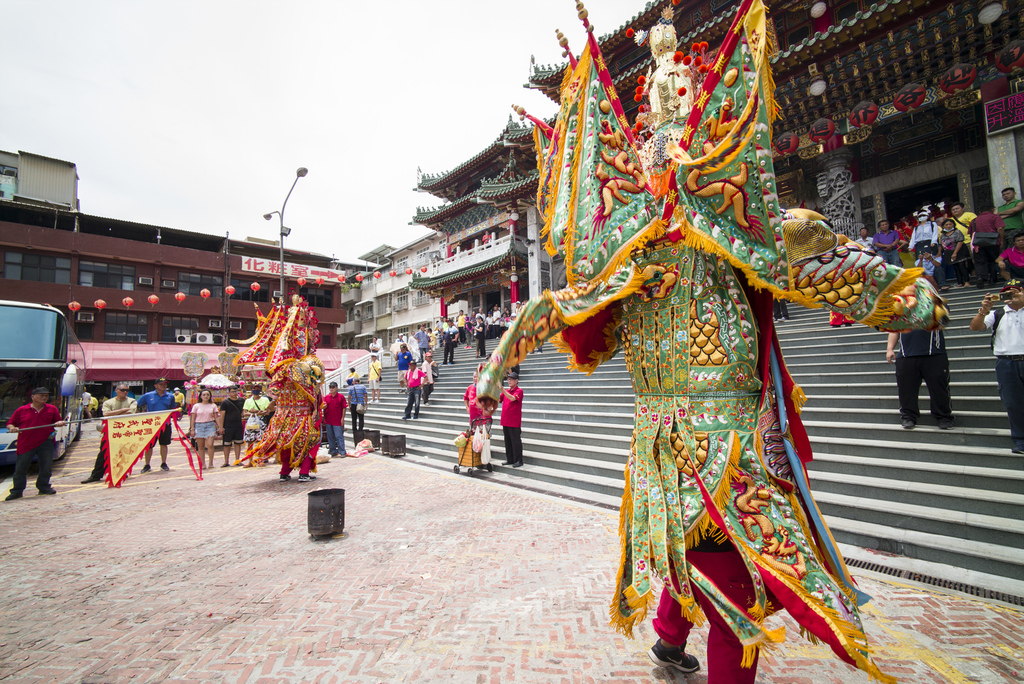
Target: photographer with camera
(1007, 326)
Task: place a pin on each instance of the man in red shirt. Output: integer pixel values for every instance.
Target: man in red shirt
(512, 421)
(34, 443)
(987, 243)
(334, 420)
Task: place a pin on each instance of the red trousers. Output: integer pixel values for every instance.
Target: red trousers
(286, 463)
(725, 652)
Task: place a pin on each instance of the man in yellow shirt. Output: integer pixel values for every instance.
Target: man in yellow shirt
(373, 376)
(963, 219)
(461, 323)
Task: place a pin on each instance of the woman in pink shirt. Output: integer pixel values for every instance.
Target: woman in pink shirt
(1011, 261)
(469, 398)
(204, 425)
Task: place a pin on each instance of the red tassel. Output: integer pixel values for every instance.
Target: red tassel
(642, 80)
(686, 60)
(638, 98)
(682, 91)
(678, 57)
(698, 60)
(703, 68)
(629, 33)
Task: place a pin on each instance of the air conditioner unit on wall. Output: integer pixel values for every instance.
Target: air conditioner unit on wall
(204, 338)
(213, 323)
(85, 317)
(277, 294)
(167, 283)
(145, 280)
(183, 339)
(235, 325)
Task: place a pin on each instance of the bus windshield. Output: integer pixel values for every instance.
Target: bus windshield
(31, 334)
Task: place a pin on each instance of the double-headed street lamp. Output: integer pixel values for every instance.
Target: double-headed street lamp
(299, 173)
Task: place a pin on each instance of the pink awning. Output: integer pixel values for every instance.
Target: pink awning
(115, 361)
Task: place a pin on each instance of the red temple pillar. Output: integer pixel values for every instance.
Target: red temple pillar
(444, 308)
(514, 288)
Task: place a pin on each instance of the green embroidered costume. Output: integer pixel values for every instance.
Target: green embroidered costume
(675, 246)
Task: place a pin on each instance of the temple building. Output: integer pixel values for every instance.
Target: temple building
(489, 254)
(886, 106)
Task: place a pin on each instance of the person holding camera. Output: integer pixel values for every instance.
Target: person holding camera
(1007, 326)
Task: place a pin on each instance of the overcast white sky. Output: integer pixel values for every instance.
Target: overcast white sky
(195, 114)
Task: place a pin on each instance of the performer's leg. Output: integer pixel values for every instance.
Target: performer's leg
(908, 385)
(306, 466)
(725, 652)
(286, 462)
(935, 371)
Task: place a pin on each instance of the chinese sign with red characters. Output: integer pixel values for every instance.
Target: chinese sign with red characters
(270, 267)
(1005, 113)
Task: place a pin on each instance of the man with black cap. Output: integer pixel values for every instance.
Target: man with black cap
(334, 406)
(1007, 326)
(34, 423)
(512, 421)
(121, 404)
(158, 400)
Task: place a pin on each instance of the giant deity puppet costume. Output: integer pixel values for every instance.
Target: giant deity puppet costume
(285, 345)
(675, 246)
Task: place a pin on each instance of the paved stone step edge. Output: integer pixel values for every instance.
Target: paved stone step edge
(922, 429)
(922, 466)
(951, 492)
(940, 543)
(897, 508)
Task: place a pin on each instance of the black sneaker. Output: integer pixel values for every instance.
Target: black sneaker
(676, 658)
(163, 466)
(146, 468)
(908, 424)
(12, 496)
(92, 479)
(48, 490)
(306, 478)
(284, 478)
(946, 424)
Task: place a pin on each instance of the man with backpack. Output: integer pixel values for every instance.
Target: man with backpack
(1007, 326)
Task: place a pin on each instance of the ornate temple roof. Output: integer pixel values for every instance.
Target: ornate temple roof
(470, 271)
(514, 134)
(508, 184)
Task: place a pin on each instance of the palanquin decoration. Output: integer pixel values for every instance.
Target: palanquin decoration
(675, 246)
(285, 346)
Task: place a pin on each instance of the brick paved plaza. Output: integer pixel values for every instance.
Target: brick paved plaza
(439, 578)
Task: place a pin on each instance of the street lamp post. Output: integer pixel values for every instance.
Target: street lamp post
(299, 173)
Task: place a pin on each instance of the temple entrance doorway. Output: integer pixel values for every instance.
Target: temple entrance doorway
(493, 299)
(901, 203)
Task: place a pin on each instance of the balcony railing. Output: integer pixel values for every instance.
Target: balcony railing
(472, 257)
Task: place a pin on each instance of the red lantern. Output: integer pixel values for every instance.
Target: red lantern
(229, 290)
(376, 274)
(180, 297)
(204, 293)
(255, 287)
(341, 278)
(864, 113)
(74, 306)
(423, 269)
(822, 129)
(128, 302)
(787, 143)
(408, 270)
(1011, 57)
(958, 77)
(359, 277)
(100, 304)
(153, 300)
(910, 96)
(301, 282)
(320, 280)
(392, 273)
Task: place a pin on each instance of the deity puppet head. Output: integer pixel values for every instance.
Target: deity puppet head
(663, 35)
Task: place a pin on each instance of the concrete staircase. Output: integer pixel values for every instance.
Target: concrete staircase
(939, 502)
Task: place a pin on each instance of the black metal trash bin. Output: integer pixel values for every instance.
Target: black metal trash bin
(326, 514)
(392, 445)
(372, 435)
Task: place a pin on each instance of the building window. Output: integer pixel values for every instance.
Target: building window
(37, 267)
(402, 264)
(421, 298)
(85, 331)
(318, 297)
(244, 293)
(173, 326)
(125, 327)
(401, 301)
(114, 276)
(194, 283)
(421, 257)
(325, 341)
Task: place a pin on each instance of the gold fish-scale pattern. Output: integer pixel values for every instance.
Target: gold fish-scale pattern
(679, 451)
(842, 292)
(705, 347)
